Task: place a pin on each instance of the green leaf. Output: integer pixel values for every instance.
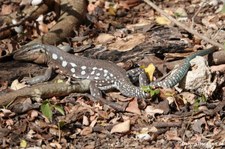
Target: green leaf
(47, 110)
(150, 90)
(196, 106)
(59, 109)
(198, 101)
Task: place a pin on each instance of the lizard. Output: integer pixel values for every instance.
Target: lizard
(103, 74)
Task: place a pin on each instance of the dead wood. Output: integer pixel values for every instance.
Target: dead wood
(45, 90)
(72, 14)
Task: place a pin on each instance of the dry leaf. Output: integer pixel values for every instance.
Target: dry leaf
(181, 12)
(118, 96)
(162, 21)
(32, 115)
(133, 107)
(55, 145)
(197, 125)
(188, 97)
(219, 68)
(104, 38)
(128, 43)
(16, 85)
(143, 136)
(112, 10)
(85, 121)
(6, 9)
(150, 110)
(121, 127)
(172, 135)
(86, 131)
(149, 71)
(43, 28)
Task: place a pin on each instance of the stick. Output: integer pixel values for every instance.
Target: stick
(184, 26)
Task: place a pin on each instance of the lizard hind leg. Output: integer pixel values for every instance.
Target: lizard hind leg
(95, 91)
(138, 74)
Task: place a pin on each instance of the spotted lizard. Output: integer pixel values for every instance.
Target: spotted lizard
(103, 74)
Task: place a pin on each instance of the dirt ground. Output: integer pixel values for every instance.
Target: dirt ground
(131, 34)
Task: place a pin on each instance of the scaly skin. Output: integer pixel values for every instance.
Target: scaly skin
(103, 74)
(181, 71)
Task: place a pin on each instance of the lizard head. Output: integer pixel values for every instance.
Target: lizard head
(34, 53)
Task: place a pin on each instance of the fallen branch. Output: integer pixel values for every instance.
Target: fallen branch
(45, 90)
(73, 13)
(184, 26)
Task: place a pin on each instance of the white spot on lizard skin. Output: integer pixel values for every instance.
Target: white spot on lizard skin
(72, 70)
(83, 67)
(54, 56)
(100, 69)
(111, 75)
(83, 73)
(61, 58)
(94, 68)
(64, 63)
(105, 71)
(74, 75)
(96, 78)
(73, 65)
(98, 74)
(93, 72)
(107, 77)
(105, 74)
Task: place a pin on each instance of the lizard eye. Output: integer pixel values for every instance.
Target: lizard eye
(42, 51)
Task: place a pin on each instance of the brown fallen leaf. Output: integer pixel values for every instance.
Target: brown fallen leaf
(85, 120)
(188, 97)
(133, 107)
(128, 43)
(55, 144)
(150, 110)
(32, 115)
(16, 85)
(104, 38)
(6, 9)
(198, 125)
(86, 131)
(172, 135)
(121, 127)
(220, 68)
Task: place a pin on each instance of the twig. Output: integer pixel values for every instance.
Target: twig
(196, 13)
(184, 26)
(166, 124)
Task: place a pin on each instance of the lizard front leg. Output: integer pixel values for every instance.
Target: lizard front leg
(41, 78)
